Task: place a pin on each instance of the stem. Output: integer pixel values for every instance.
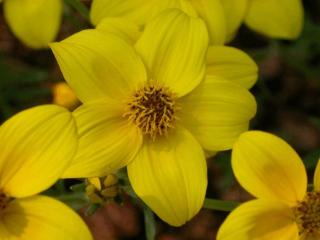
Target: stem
(80, 7)
(72, 197)
(150, 224)
(220, 205)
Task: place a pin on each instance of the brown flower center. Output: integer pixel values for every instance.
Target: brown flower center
(153, 109)
(307, 216)
(4, 201)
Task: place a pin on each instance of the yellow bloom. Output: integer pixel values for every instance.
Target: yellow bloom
(274, 18)
(152, 107)
(101, 190)
(37, 145)
(141, 12)
(34, 22)
(269, 169)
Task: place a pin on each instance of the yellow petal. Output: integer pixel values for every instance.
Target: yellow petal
(44, 218)
(260, 219)
(31, 21)
(217, 112)
(139, 11)
(173, 47)
(267, 167)
(235, 11)
(121, 27)
(211, 11)
(98, 65)
(170, 176)
(276, 18)
(232, 64)
(316, 177)
(37, 145)
(107, 141)
(131, 10)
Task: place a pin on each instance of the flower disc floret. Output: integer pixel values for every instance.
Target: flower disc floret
(307, 215)
(153, 109)
(4, 200)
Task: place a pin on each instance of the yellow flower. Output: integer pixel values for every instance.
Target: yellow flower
(152, 107)
(269, 169)
(274, 18)
(141, 12)
(101, 190)
(34, 22)
(37, 145)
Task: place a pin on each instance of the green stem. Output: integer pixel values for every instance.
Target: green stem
(72, 197)
(150, 224)
(220, 205)
(80, 7)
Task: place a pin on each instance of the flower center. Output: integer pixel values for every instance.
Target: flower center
(153, 109)
(307, 216)
(4, 200)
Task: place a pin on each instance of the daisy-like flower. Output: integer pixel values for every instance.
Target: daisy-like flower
(268, 168)
(152, 108)
(37, 145)
(274, 18)
(34, 22)
(141, 12)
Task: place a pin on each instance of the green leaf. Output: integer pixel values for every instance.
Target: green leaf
(312, 159)
(220, 205)
(74, 200)
(80, 7)
(80, 187)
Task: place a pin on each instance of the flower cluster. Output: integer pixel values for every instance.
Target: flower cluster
(158, 91)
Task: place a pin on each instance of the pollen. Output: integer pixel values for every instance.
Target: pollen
(307, 216)
(153, 109)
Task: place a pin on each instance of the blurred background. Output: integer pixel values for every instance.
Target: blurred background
(288, 95)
